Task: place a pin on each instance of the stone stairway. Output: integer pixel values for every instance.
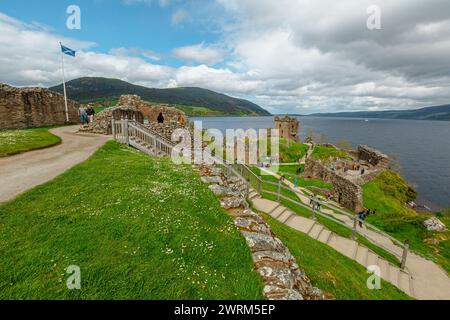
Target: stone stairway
(348, 247)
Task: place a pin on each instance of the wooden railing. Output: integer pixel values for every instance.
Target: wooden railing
(135, 134)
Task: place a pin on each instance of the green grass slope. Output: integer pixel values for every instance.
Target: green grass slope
(138, 227)
(388, 193)
(322, 152)
(18, 141)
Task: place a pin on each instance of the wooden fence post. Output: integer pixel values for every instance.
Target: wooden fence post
(355, 225)
(279, 190)
(113, 124)
(405, 254)
(127, 137)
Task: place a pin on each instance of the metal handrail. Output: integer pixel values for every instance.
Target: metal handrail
(262, 182)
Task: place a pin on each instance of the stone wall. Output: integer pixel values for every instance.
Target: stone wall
(282, 277)
(22, 108)
(151, 112)
(373, 156)
(347, 193)
(102, 123)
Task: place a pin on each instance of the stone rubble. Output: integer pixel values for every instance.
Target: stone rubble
(282, 277)
(434, 224)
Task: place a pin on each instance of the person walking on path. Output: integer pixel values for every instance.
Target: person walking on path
(90, 113)
(83, 115)
(361, 218)
(160, 118)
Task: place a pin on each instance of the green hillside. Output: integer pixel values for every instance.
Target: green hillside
(196, 101)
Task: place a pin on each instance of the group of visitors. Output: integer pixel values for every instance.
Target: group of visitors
(364, 214)
(86, 114)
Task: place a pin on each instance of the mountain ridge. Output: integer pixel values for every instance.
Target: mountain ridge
(192, 98)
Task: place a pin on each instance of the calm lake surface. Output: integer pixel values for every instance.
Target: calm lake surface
(422, 147)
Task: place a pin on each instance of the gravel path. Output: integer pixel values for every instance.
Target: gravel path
(24, 171)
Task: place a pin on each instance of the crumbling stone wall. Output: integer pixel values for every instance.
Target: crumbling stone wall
(373, 156)
(151, 112)
(22, 108)
(347, 193)
(102, 123)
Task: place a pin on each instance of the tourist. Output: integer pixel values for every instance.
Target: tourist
(83, 115)
(90, 113)
(160, 118)
(181, 120)
(296, 182)
(363, 170)
(361, 217)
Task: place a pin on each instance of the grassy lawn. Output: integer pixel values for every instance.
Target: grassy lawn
(334, 273)
(18, 141)
(291, 152)
(138, 227)
(388, 193)
(322, 152)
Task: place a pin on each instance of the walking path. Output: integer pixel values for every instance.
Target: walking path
(422, 279)
(24, 171)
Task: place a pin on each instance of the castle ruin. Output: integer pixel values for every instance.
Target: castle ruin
(288, 127)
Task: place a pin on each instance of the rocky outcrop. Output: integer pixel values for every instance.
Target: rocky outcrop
(22, 108)
(348, 193)
(434, 224)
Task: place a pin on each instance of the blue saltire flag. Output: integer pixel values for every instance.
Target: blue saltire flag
(68, 51)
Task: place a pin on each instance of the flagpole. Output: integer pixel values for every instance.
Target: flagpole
(64, 83)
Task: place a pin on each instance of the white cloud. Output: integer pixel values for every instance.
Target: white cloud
(319, 55)
(179, 16)
(29, 56)
(199, 53)
(288, 56)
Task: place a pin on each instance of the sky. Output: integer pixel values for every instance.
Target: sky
(288, 56)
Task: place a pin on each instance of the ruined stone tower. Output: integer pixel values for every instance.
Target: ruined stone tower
(289, 127)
